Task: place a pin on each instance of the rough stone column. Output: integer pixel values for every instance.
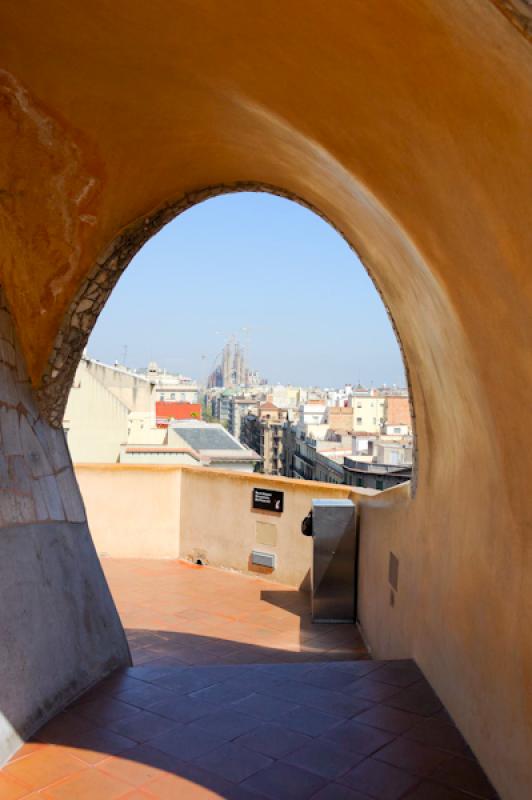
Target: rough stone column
(59, 629)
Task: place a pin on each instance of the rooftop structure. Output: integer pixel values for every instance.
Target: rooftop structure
(190, 441)
(407, 127)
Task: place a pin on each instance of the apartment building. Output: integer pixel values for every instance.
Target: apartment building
(263, 432)
(369, 412)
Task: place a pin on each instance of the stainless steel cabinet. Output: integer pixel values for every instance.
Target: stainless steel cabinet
(334, 560)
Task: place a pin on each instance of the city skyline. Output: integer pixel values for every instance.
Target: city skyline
(247, 254)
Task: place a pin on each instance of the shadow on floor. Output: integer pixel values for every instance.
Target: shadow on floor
(270, 725)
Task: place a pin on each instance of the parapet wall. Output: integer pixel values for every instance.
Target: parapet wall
(59, 630)
(201, 514)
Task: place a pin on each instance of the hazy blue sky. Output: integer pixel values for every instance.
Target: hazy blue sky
(257, 262)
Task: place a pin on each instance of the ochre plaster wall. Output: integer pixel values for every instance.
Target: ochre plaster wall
(217, 517)
(408, 127)
(59, 630)
(133, 511)
(188, 512)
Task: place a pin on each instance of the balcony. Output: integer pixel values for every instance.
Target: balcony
(233, 692)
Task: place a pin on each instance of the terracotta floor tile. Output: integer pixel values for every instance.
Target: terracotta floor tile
(132, 767)
(12, 789)
(230, 674)
(27, 749)
(89, 785)
(44, 767)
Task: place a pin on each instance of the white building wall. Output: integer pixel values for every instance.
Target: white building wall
(96, 421)
(135, 391)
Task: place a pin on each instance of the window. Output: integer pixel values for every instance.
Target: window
(359, 420)
(359, 481)
(172, 396)
(379, 484)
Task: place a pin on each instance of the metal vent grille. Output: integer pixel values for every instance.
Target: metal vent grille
(263, 559)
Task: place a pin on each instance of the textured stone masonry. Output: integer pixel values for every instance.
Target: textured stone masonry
(37, 482)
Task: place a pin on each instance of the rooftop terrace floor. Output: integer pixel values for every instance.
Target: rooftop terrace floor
(234, 693)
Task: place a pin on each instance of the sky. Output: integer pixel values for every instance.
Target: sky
(261, 268)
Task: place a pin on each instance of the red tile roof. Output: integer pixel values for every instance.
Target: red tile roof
(165, 410)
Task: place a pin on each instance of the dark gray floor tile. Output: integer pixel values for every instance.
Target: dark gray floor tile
(427, 790)
(233, 762)
(186, 681)
(399, 673)
(184, 708)
(310, 721)
(389, 719)
(438, 733)
(465, 775)
(419, 699)
(264, 707)
(378, 780)
(284, 782)
(322, 699)
(186, 742)
(228, 723)
(412, 756)
(324, 758)
(327, 678)
(273, 740)
(144, 695)
(334, 791)
(142, 726)
(359, 738)
(221, 693)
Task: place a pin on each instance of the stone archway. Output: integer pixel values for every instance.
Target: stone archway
(97, 287)
(409, 131)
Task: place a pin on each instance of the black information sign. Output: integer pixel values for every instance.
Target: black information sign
(268, 500)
